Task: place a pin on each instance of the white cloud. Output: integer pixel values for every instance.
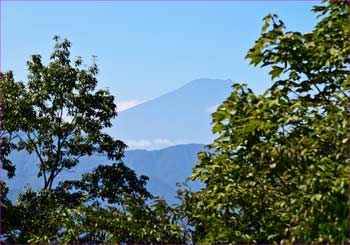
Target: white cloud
(138, 143)
(167, 142)
(213, 108)
(124, 105)
(162, 142)
(152, 144)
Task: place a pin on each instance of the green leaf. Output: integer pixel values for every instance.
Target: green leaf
(275, 72)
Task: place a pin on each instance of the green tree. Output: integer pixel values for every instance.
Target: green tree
(65, 114)
(278, 172)
(109, 205)
(118, 209)
(59, 116)
(12, 111)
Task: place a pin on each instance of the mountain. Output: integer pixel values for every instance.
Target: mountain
(164, 168)
(181, 116)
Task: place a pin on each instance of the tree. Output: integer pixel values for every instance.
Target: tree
(278, 172)
(64, 114)
(59, 116)
(109, 205)
(12, 110)
(118, 209)
(9, 217)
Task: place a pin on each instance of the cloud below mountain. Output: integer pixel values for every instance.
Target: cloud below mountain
(153, 143)
(127, 104)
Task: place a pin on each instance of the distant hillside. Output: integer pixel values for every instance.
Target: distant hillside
(178, 117)
(164, 167)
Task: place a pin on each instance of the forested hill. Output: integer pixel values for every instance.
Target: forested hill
(164, 168)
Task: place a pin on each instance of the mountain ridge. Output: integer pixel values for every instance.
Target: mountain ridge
(174, 162)
(177, 117)
(188, 84)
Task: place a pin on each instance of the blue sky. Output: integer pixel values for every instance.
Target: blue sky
(146, 49)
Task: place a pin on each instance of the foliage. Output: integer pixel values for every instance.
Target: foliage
(64, 114)
(9, 218)
(77, 212)
(278, 172)
(60, 116)
(113, 183)
(14, 107)
(137, 223)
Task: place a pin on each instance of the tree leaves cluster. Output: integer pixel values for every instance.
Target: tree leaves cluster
(279, 170)
(59, 115)
(94, 210)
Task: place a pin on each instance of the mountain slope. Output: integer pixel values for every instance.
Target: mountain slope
(165, 167)
(181, 116)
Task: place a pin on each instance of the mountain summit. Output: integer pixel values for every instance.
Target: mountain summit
(178, 117)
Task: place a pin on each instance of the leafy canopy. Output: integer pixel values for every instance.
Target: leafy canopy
(278, 172)
(59, 114)
(109, 205)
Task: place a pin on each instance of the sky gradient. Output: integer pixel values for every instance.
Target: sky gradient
(146, 49)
